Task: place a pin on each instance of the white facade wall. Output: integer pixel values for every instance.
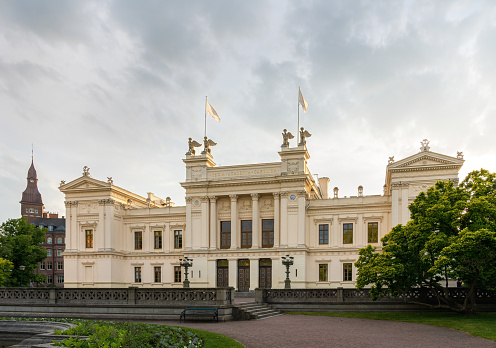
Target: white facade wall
(283, 192)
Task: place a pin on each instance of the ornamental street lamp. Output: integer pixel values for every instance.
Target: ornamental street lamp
(287, 261)
(186, 263)
(22, 268)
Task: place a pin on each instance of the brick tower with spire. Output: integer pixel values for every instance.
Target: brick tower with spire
(31, 203)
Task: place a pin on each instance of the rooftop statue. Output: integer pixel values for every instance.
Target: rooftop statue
(425, 145)
(285, 137)
(191, 146)
(303, 135)
(207, 143)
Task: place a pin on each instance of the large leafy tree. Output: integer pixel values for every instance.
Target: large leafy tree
(20, 244)
(451, 234)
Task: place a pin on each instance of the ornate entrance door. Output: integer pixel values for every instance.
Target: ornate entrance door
(244, 275)
(265, 274)
(222, 273)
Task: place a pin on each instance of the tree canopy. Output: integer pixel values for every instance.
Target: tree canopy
(20, 245)
(451, 235)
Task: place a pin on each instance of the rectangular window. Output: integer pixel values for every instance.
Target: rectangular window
(323, 272)
(49, 265)
(267, 233)
(246, 228)
(348, 233)
(225, 234)
(49, 252)
(42, 265)
(60, 279)
(323, 234)
(157, 271)
(157, 239)
(60, 265)
(59, 252)
(137, 274)
(89, 238)
(178, 239)
(138, 240)
(59, 240)
(373, 235)
(177, 274)
(347, 269)
(49, 279)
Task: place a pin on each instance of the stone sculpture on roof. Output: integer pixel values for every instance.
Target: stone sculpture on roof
(285, 137)
(207, 143)
(191, 146)
(303, 135)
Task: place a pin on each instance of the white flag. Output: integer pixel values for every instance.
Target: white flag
(210, 110)
(302, 101)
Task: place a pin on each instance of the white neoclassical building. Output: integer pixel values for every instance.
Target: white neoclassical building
(237, 224)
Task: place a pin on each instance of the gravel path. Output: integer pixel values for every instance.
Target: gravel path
(314, 331)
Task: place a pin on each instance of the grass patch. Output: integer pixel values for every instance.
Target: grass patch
(131, 334)
(480, 325)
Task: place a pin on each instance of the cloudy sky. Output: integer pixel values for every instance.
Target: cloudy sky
(119, 86)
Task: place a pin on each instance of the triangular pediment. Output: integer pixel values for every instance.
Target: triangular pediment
(84, 183)
(426, 159)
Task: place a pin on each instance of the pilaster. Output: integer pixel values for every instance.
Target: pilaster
(213, 222)
(234, 221)
(255, 222)
(187, 233)
(277, 219)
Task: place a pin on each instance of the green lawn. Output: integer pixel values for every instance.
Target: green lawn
(480, 325)
(214, 340)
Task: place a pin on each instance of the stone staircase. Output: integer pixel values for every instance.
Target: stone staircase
(253, 311)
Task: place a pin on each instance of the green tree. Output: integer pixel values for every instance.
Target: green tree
(450, 235)
(20, 244)
(5, 271)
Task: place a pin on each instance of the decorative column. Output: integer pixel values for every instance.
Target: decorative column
(213, 222)
(277, 218)
(405, 213)
(395, 219)
(301, 218)
(71, 242)
(255, 223)
(284, 220)
(254, 269)
(187, 233)
(233, 273)
(204, 223)
(234, 221)
(361, 232)
(337, 238)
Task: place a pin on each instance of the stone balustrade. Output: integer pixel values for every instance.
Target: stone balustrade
(118, 296)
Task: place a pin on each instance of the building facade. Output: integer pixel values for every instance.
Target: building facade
(237, 223)
(32, 208)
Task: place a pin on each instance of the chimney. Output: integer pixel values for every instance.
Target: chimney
(336, 192)
(324, 187)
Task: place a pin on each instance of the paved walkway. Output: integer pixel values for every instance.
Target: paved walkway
(314, 331)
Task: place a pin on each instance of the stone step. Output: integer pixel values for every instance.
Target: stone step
(253, 311)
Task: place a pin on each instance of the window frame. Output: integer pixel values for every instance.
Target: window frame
(138, 240)
(373, 233)
(60, 265)
(246, 234)
(49, 252)
(347, 271)
(323, 272)
(225, 234)
(49, 265)
(348, 233)
(323, 234)
(157, 274)
(89, 239)
(177, 274)
(178, 239)
(267, 235)
(137, 274)
(157, 239)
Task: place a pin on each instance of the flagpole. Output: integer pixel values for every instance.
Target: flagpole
(298, 128)
(205, 116)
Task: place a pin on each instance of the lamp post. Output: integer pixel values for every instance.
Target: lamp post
(186, 263)
(287, 261)
(22, 268)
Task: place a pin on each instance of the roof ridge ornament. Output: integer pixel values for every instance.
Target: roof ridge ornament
(459, 154)
(425, 145)
(86, 171)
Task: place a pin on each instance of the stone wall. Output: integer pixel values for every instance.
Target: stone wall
(125, 303)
